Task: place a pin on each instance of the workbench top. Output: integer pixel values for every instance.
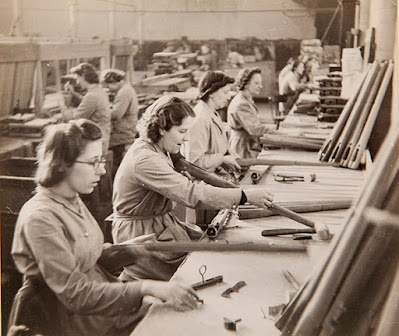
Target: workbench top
(262, 271)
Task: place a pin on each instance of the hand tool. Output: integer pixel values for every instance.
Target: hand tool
(183, 165)
(290, 177)
(206, 282)
(291, 280)
(235, 288)
(231, 325)
(223, 218)
(279, 232)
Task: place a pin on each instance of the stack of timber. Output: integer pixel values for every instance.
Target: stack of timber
(354, 292)
(176, 81)
(165, 62)
(310, 140)
(349, 138)
(331, 104)
(26, 125)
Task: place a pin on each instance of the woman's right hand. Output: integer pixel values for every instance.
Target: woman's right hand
(231, 161)
(182, 298)
(259, 197)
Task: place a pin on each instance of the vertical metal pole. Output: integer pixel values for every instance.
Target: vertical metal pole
(16, 28)
(73, 4)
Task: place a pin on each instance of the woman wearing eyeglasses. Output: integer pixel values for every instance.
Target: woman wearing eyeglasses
(147, 185)
(58, 247)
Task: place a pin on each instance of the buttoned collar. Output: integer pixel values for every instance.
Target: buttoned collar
(62, 200)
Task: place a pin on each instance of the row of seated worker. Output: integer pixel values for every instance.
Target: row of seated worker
(74, 283)
(294, 78)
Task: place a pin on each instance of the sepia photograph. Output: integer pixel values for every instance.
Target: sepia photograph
(199, 167)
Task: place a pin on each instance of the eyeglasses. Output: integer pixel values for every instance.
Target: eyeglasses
(95, 163)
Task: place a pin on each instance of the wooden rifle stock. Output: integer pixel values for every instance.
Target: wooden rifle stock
(273, 162)
(181, 164)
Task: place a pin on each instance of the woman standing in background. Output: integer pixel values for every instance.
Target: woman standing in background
(207, 146)
(243, 117)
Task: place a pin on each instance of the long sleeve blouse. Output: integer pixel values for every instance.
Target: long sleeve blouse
(208, 141)
(59, 244)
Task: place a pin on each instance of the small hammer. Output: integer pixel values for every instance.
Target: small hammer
(321, 229)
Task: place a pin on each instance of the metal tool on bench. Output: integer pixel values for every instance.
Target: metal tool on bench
(206, 282)
(224, 218)
(281, 232)
(230, 325)
(297, 177)
(235, 288)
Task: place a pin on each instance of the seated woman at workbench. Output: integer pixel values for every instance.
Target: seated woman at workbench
(291, 86)
(207, 145)
(146, 186)
(59, 247)
(243, 117)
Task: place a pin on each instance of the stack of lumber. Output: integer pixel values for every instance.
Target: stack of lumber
(311, 139)
(164, 62)
(29, 127)
(348, 141)
(331, 104)
(354, 292)
(176, 81)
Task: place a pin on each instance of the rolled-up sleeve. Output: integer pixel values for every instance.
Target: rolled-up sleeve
(81, 291)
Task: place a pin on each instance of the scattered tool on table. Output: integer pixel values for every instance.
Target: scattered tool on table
(291, 279)
(231, 325)
(290, 177)
(224, 218)
(206, 282)
(280, 232)
(182, 164)
(235, 288)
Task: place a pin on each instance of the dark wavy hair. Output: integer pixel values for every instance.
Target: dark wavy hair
(164, 113)
(245, 75)
(210, 82)
(62, 145)
(87, 71)
(111, 76)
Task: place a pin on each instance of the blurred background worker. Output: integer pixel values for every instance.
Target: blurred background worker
(291, 86)
(124, 114)
(243, 117)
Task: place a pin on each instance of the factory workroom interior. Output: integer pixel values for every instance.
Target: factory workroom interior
(187, 167)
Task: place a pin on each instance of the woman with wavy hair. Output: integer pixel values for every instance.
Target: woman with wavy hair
(243, 116)
(147, 185)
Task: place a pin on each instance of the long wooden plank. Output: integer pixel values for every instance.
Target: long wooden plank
(329, 144)
(353, 117)
(354, 138)
(368, 128)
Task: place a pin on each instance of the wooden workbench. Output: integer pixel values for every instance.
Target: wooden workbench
(265, 283)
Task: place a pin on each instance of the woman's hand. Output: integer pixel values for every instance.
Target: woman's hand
(231, 161)
(182, 298)
(259, 197)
